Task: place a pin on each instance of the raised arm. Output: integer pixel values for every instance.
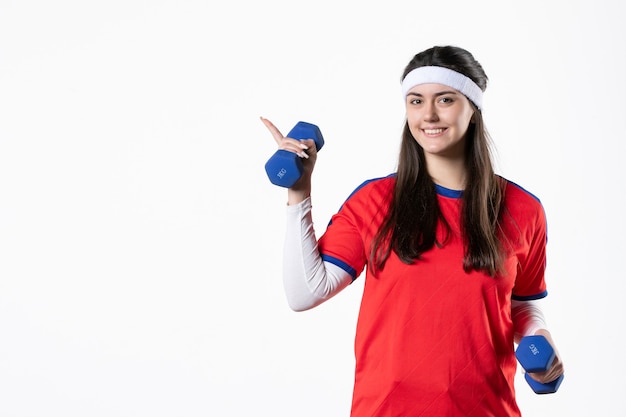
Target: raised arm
(307, 279)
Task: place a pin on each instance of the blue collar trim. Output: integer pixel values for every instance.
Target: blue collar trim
(447, 192)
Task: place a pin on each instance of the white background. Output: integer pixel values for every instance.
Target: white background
(140, 239)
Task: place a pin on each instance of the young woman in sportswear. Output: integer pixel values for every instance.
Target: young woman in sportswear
(454, 257)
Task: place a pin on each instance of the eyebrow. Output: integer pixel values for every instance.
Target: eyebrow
(440, 93)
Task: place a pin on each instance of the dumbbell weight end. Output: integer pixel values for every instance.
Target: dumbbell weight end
(544, 388)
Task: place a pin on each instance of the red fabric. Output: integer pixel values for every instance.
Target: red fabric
(431, 339)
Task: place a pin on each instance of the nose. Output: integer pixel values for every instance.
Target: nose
(430, 112)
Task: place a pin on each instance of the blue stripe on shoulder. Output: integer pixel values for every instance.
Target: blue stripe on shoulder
(530, 297)
(524, 190)
(341, 264)
(363, 184)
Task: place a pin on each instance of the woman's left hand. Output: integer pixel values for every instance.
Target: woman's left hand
(556, 369)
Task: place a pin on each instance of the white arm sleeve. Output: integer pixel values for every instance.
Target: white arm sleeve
(527, 318)
(308, 280)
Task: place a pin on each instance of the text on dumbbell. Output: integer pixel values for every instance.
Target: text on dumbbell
(533, 349)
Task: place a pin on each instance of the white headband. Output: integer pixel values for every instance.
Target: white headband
(445, 76)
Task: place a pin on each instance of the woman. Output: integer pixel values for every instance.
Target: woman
(455, 257)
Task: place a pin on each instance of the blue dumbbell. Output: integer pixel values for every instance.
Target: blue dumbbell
(535, 354)
(285, 168)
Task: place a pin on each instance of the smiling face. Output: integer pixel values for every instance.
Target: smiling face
(438, 117)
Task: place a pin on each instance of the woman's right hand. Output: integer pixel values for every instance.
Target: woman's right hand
(304, 149)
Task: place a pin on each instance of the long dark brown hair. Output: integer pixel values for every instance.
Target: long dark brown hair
(409, 228)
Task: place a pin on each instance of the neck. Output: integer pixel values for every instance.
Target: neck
(449, 173)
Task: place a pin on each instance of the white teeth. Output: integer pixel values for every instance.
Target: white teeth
(432, 131)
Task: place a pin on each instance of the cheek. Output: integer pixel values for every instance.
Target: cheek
(463, 122)
(409, 119)
(413, 119)
(414, 131)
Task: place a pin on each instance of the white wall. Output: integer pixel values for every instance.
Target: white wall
(140, 240)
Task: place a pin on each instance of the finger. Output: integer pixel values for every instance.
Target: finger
(545, 377)
(278, 137)
(307, 144)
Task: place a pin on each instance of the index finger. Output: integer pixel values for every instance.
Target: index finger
(278, 137)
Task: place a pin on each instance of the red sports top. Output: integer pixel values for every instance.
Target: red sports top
(431, 339)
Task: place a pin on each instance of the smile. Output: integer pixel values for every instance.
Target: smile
(433, 131)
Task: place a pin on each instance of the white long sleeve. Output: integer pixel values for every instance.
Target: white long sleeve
(307, 279)
(527, 318)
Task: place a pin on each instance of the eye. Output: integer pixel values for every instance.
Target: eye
(446, 100)
(415, 101)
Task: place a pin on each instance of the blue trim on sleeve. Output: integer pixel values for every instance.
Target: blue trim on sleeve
(530, 297)
(341, 264)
